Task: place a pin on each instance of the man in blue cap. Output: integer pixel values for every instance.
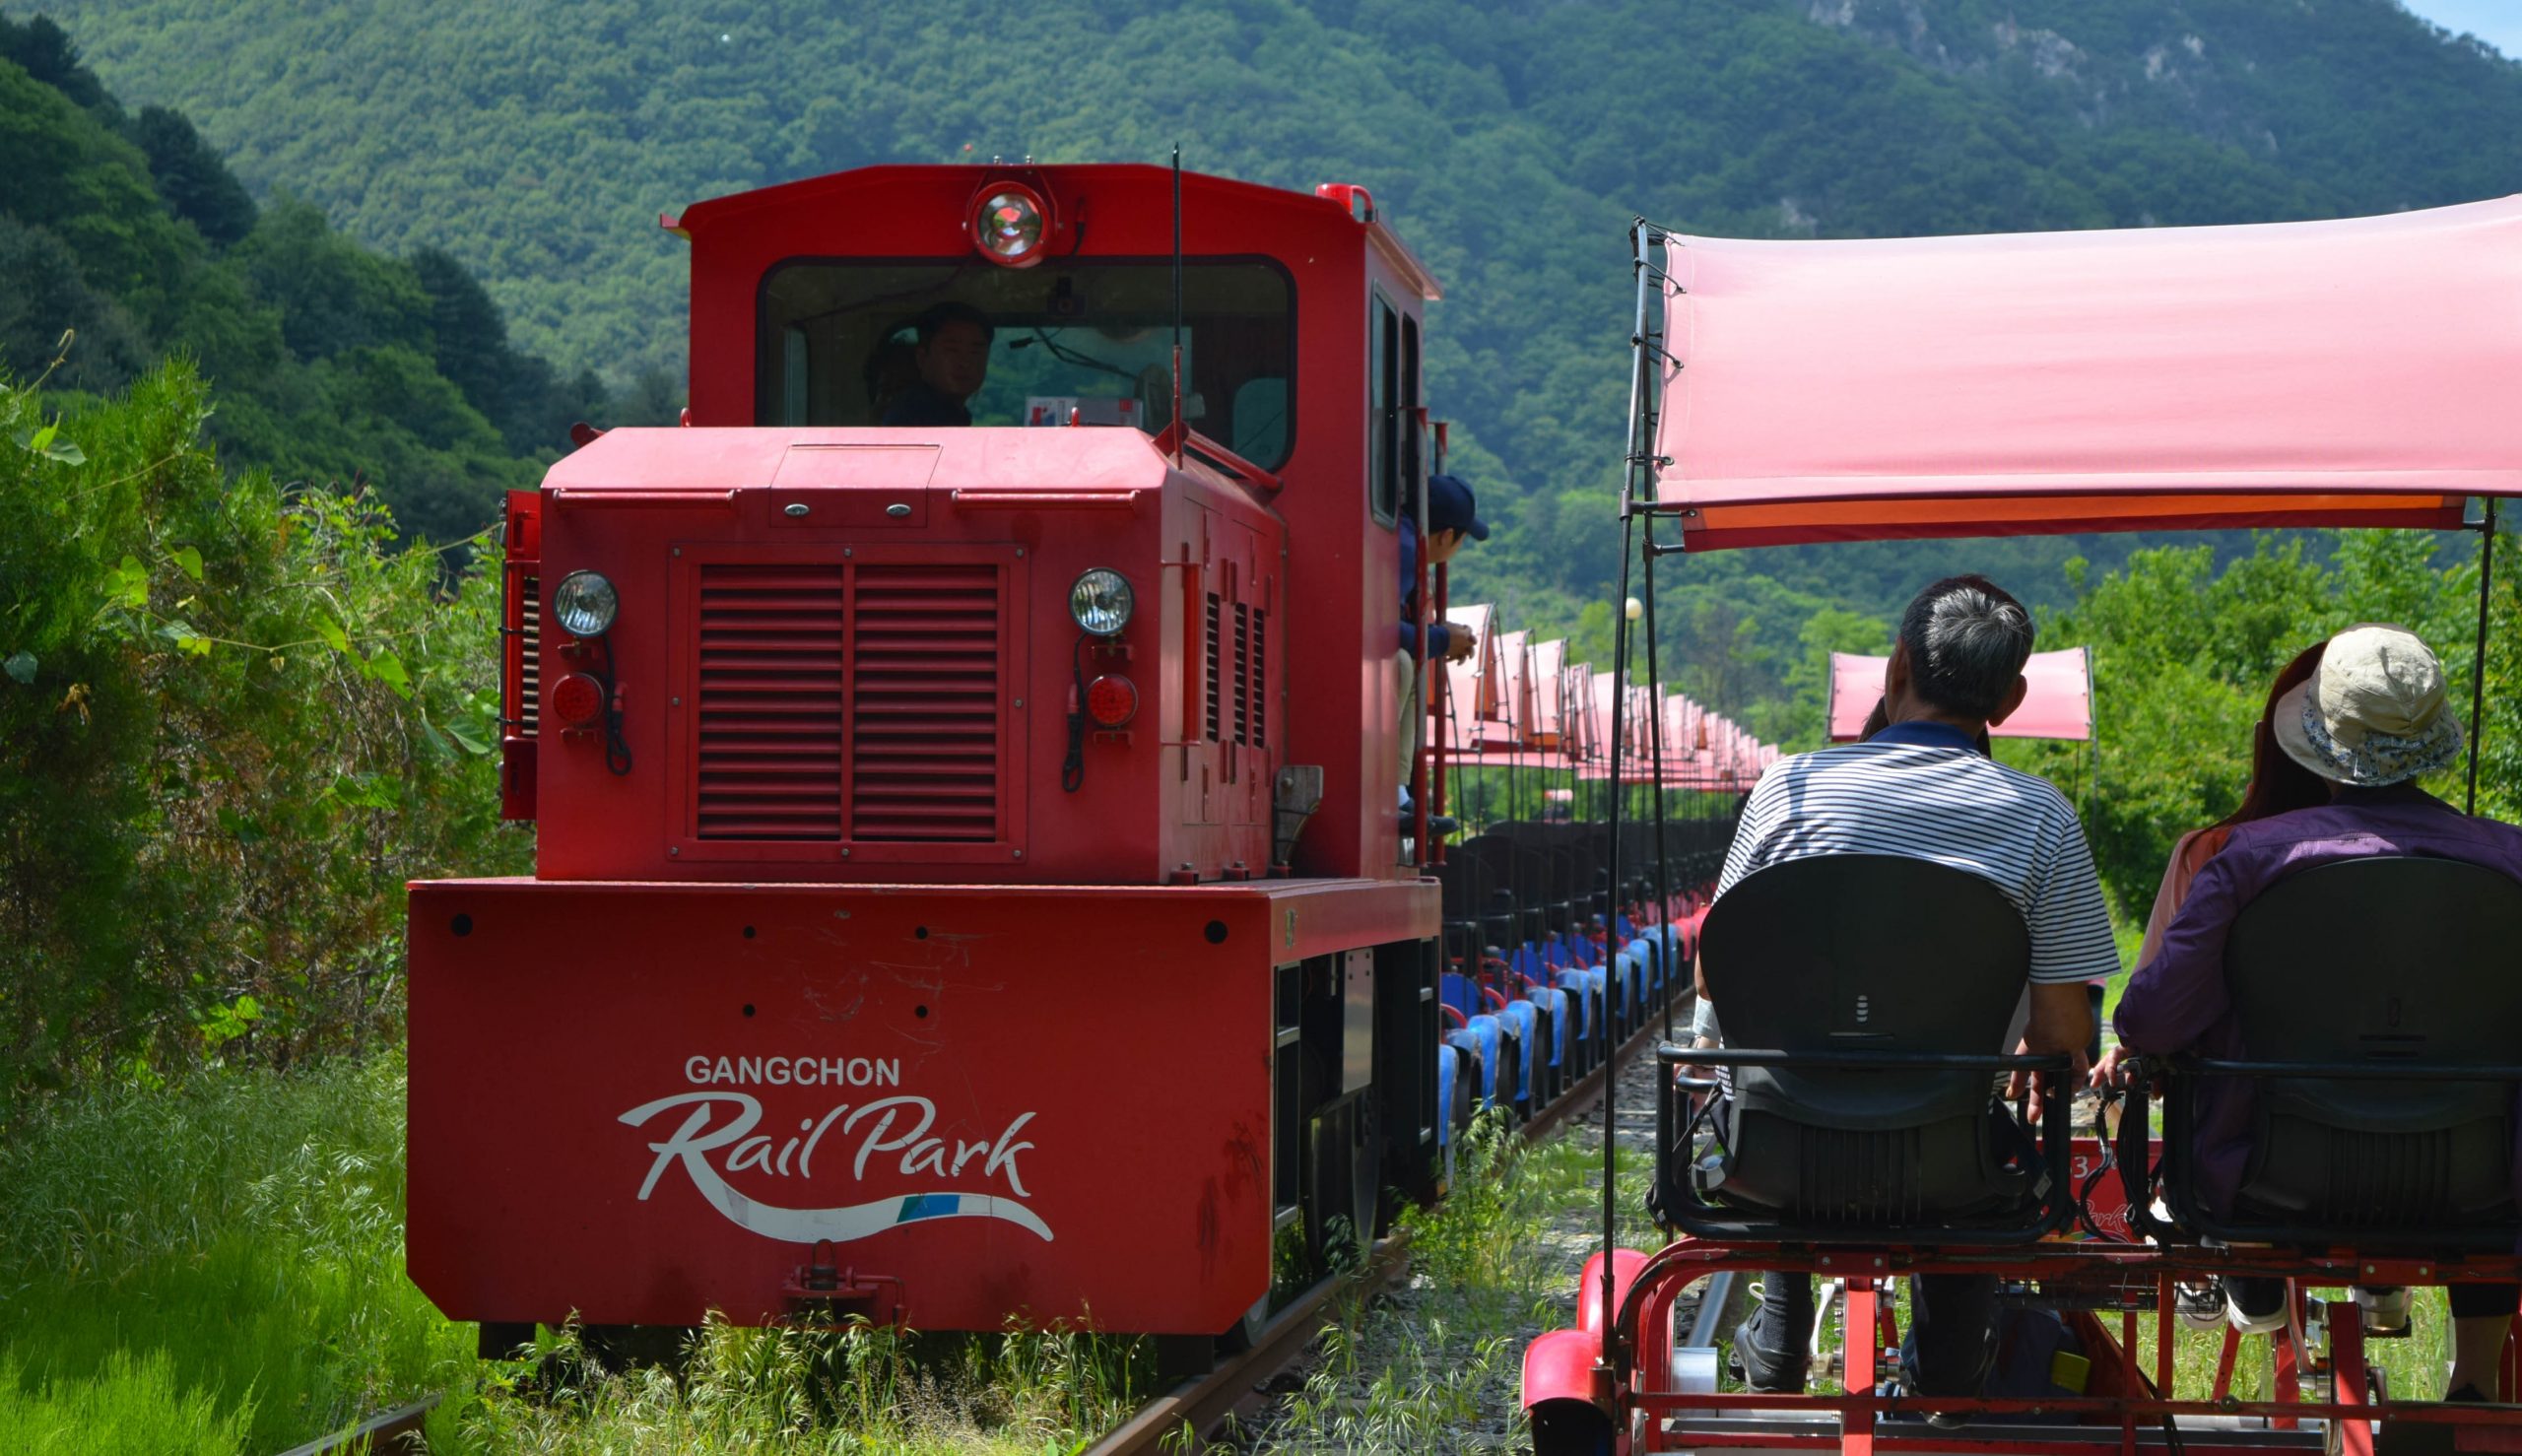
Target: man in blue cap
(1453, 518)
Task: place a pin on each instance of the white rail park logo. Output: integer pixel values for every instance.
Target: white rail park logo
(890, 1133)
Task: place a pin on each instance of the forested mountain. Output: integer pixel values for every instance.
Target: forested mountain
(125, 235)
(1511, 142)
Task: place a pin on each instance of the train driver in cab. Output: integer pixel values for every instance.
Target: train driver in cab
(951, 355)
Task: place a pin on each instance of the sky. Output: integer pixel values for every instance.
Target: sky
(2499, 23)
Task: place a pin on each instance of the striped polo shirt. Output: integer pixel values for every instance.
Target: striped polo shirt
(1925, 791)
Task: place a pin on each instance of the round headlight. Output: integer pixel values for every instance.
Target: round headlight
(583, 604)
(1100, 602)
(1008, 229)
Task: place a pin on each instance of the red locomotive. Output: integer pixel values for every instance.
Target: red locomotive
(970, 876)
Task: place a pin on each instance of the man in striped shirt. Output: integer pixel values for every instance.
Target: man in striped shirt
(1924, 787)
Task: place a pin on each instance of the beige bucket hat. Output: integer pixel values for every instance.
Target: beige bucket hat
(2371, 713)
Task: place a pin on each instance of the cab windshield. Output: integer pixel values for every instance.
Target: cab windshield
(1084, 341)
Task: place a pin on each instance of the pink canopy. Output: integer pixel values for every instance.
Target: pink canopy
(2059, 703)
(1546, 679)
(2353, 373)
(1473, 709)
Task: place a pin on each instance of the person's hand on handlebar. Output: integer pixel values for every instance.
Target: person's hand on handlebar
(2113, 1070)
(2036, 1084)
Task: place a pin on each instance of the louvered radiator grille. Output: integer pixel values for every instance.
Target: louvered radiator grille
(1242, 673)
(771, 714)
(529, 680)
(925, 713)
(1260, 678)
(1210, 720)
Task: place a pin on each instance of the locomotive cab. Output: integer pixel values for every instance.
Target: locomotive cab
(854, 650)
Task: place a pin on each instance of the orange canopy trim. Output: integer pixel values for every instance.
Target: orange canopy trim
(2363, 371)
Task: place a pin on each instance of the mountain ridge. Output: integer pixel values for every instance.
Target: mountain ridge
(1511, 143)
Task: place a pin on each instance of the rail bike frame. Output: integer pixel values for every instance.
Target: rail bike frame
(2164, 379)
(2109, 1291)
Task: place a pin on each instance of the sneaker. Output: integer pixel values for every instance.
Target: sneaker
(2256, 1306)
(2386, 1311)
(2200, 1307)
(2467, 1394)
(1763, 1371)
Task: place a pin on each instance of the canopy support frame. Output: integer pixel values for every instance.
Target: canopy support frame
(1664, 939)
(2478, 661)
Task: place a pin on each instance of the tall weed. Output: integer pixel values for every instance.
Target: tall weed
(236, 1237)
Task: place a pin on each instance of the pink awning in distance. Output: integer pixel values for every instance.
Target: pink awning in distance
(2362, 371)
(2058, 704)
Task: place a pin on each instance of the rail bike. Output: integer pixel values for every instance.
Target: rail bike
(969, 879)
(2360, 372)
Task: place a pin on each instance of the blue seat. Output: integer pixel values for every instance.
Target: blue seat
(1553, 1002)
(1629, 991)
(1447, 1058)
(1651, 964)
(1526, 1022)
(1598, 984)
(1585, 989)
(1486, 1036)
(1460, 992)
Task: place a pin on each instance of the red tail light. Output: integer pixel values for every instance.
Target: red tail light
(1111, 701)
(577, 699)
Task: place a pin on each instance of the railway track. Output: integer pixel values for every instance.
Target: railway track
(393, 1433)
(1201, 1406)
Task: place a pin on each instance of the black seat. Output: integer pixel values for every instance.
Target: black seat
(2380, 1008)
(1496, 910)
(1466, 887)
(1864, 998)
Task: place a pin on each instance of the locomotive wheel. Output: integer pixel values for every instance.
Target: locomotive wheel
(1343, 1162)
(1245, 1332)
(1370, 1211)
(616, 1349)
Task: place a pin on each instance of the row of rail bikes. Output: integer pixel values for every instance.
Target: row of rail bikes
(2363, 372)
(970, 884)
(1536, 988)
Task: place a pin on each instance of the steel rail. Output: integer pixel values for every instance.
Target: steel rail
(396, 1431)
(1202, 1404)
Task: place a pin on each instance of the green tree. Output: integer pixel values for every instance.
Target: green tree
(195, 182)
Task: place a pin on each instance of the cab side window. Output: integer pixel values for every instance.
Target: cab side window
(1407, 427)
(1384, 413)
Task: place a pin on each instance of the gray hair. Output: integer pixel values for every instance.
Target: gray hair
(1967, 642)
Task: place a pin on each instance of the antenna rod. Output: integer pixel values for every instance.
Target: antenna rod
(1181, 426)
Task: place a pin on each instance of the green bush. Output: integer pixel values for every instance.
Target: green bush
(235, 718)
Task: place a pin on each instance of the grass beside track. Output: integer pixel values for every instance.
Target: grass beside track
(216, 1267)
(212, 1267)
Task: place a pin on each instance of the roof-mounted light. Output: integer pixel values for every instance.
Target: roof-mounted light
(1009, 222)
